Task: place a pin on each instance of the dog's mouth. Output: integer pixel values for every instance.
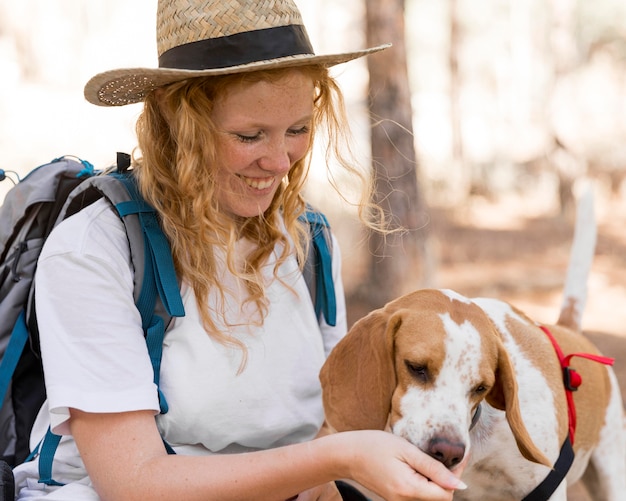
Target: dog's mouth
(445, 445)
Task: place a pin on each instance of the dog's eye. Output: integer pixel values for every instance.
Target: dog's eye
(418, 371)
(480, 389)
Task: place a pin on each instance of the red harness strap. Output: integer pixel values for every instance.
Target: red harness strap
(571, 379)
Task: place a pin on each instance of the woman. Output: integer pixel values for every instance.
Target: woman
(225, 138)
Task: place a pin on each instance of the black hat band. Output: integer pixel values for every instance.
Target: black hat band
(241, 48)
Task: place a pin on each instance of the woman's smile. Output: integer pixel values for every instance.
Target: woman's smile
(258, 183)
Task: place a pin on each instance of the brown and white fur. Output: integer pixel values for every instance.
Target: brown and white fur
(421, 365)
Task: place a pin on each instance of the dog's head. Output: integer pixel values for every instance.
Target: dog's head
(422, 365)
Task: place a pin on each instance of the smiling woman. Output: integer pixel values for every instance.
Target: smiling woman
(240, 150)
(224, 143)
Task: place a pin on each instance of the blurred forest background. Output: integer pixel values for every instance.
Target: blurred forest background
(480, 125)
(510, 103)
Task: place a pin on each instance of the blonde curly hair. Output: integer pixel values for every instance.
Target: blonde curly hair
(176, 152)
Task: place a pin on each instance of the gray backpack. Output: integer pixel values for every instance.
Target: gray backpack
(31, 209)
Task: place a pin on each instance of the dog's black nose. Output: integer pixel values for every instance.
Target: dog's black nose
(445, 451)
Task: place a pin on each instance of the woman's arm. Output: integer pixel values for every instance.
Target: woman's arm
(125, 458)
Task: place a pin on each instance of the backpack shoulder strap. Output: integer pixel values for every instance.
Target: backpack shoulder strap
(317, 270)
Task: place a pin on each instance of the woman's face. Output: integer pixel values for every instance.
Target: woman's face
(263, 129)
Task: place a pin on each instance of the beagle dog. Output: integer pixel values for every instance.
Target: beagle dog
(478, 380)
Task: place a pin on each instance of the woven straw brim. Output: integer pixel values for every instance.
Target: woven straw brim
(131, 85)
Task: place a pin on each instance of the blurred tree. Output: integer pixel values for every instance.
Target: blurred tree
(566, 58)
(458, 157)
(397, 262)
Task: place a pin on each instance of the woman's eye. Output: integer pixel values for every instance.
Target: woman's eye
(247, 139)
(301, 130)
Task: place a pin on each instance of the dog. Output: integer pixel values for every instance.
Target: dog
(478, 381)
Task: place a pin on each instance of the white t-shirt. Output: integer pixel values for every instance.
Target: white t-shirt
(95, 356)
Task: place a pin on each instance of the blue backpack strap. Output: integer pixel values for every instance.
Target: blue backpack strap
(159, 255)
(17, 342)
(157, 252)
(323, 288)
(47, 448)
(159, 278)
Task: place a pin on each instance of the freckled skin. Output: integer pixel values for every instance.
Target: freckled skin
(263, 130)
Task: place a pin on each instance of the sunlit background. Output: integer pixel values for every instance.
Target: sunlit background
(50, 48)
(529, 71)
(538, 94)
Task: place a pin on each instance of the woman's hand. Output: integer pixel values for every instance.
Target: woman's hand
(396, 470)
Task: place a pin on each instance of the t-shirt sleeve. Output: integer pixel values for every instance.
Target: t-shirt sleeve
(94, 354)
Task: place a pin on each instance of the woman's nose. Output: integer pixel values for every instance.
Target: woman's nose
(276, 158)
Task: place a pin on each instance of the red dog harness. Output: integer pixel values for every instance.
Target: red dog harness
(571, 380)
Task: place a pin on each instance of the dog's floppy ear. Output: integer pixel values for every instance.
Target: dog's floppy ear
(503, 396)
(358, 377)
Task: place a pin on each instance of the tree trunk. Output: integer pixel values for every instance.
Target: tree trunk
(566, 59)
(397, 260)
(459, 171)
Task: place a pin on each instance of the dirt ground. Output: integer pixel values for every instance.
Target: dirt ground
(507, 250)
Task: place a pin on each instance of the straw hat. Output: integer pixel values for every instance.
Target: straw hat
(197, 38)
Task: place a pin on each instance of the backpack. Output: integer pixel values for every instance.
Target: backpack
(31, 209)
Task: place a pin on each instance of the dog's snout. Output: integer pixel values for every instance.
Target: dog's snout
(447, 452)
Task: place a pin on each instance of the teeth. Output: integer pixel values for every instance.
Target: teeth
(258, 184)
